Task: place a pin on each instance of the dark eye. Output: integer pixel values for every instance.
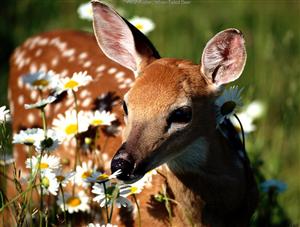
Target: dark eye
(125, 108)
(181, 115)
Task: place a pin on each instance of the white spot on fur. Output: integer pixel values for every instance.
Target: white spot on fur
(87, 64)
(86, 102)
(64, 73)
(20, 82)
(33, 68)
(69, 52)
(104, 157)
(69, 102)
(30, 118)
(54, 61)
(119, 75)
(21, 100)
(112, 70)
(12, 107)
(38, 52)
(100, 68)
(57, 106)
(43, 67)
(84, 93)
(83, 55)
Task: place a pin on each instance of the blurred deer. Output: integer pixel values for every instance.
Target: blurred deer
(168, 113)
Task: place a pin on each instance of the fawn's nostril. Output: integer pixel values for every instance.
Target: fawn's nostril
(125, 165)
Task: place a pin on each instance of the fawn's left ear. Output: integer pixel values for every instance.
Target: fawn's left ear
(224, 57)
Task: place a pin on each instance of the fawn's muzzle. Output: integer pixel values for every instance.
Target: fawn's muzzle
(123, 161)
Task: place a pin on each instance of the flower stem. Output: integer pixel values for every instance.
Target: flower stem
(64, 203)
(138, 209)
(106, 207)
(242, 131)
(44, 122)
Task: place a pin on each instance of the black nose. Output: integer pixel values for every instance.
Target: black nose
(124, 162)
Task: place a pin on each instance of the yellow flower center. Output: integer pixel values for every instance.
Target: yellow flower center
(43, 165)
(96, 122)
(133, 189)
(60, 178)
(139, 26)
(71, 84)
(73, 201)
(102, 177)
(41, 82)
(86, 174)
(71, 129)
(29, 140)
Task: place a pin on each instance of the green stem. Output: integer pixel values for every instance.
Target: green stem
(138, 209)
(106, 207)
(111, 212)
(44, 122)
(64, 203)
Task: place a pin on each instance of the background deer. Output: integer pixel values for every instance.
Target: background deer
(169, 116)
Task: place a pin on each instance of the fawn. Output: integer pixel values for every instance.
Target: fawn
(168, 113)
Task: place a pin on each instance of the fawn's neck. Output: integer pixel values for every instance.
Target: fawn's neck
(206, 180)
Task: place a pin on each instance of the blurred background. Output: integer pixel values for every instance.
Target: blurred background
(182, 28)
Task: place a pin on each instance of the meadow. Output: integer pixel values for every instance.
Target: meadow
(271, 75)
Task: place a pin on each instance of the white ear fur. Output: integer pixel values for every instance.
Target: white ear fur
(224, 57)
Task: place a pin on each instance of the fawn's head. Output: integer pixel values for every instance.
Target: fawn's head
(171, 101)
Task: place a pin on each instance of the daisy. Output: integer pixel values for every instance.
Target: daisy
(274, 185)
(145, 25)
(72, 84)
(40, 104)
(74, 204)
(48, 162)
(246, 121)
(134, 188)
(99, 225)
(67, 125)
(101, 118)
(102, 177)
(29, 136)
(49, 182)
(85, 11)
(4, 114)
(112, 195)
(227, 102)
(255, 109)
(63, 178)
(83, 172)
(50, 143)
(41, 80)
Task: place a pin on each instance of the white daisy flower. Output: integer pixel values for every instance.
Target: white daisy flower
(274, 185)
(4, 114)
(74, 204)
(29, 136)
(77, 80)
(67, 125)
(101, 177)
(49, 182)
(101, 225)
(112, 195)
(83, 172)
(100, 118)
(255, 109)
(41, 80)
(48, 162)
(85, 11)
(63, 178)
(50, 143)
(145, 25)
(246, 121)
(134, 188)
(227, 103)
(40, 104)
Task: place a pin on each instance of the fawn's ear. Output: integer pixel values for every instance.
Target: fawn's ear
(120, 40)
(224, 57)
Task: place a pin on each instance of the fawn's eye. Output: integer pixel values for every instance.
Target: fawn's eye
(182, 115)
(125, 108)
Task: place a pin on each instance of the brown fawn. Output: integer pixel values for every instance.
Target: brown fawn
(168, 113)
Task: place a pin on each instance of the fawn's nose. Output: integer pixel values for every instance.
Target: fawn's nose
(123, 161)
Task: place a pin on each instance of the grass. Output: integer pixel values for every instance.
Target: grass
(272, 72)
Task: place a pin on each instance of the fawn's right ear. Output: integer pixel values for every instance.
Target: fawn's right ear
(120, 40)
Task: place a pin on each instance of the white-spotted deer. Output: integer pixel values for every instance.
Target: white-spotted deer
(169, 116)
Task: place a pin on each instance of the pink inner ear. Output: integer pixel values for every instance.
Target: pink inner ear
(224, 57)
(114, 37)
